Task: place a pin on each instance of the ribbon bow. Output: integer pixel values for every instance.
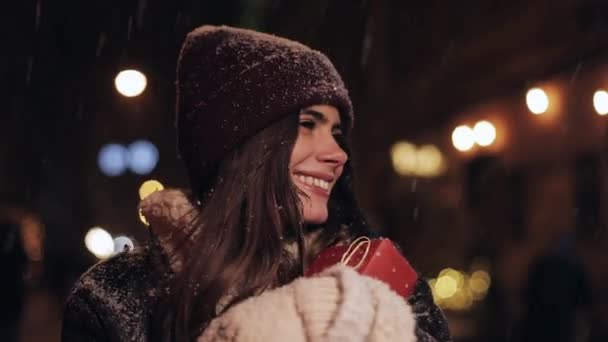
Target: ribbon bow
(360, 242)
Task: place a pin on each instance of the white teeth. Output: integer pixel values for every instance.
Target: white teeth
(324, 184)
(313, 181)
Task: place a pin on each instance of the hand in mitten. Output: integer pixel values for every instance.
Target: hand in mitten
(337, 305)
(170, 215)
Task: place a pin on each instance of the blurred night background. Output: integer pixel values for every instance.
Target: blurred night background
(480, 143)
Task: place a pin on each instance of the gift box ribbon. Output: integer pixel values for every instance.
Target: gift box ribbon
(360, 242)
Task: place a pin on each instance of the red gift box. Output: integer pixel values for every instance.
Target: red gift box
(376, 258)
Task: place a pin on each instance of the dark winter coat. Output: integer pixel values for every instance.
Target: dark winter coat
(115, 299)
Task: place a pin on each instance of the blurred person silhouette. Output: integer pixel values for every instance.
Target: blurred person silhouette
(556, 296)
(495, 200)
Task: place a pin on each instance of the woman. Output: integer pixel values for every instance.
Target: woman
(263, 126)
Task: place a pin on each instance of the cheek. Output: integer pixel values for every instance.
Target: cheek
(339, 171)
(298, 154)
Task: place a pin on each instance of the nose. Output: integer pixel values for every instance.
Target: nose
(330, 152)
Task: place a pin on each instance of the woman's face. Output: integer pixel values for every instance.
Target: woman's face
(317, 160)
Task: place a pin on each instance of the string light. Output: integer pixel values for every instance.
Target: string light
(537, 101)
(485, 133)
(600, 102)
(130, 83)
(463, 138)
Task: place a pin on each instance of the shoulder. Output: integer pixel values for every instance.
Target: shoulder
(116, 293)
(124, 271)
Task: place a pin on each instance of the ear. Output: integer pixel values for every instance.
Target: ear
(170, 216)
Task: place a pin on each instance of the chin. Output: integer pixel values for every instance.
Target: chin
(314, 211)
(315, 221)
(315, 217)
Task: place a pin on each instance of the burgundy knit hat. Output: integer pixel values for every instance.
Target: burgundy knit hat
(232, 83)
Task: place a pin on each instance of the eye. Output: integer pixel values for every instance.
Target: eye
(310, 124)
(337, 132)
(339, 137)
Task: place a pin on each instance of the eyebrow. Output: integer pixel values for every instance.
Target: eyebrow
(320, 116)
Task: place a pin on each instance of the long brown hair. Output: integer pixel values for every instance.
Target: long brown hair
(245, 220)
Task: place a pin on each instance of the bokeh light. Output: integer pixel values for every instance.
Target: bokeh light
(430, 161)
(600, 102)
(479, 284)
(130, 83)
(123, 243)
(446, 287)
(454, 274)
(537, 101)
(148, 187)
(485, 133)
(410, 160)
(112, 160)
(461, 300)
(142, 157)
(463, 138)
(32, 232)
(99, 242)
(404, 158)
(457, 290)
(142, 218)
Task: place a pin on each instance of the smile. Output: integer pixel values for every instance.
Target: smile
(315, 184)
